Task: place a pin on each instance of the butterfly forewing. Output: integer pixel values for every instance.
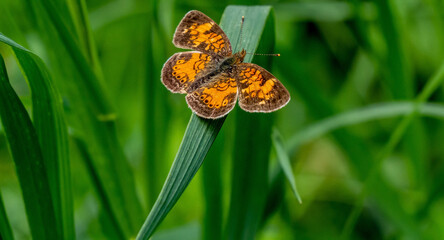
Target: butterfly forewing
(199, 32)
(259, 90)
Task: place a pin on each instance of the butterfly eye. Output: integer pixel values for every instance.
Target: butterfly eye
(182, 80)
(174, 73)
(196, 94)
(225, 102)
(206, 101)
(180, 61)
(175, 67)
(218, 105)
(202, 97)
(178, 76)
(211, 105)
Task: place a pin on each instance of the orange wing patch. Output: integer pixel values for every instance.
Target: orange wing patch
(182, 69)
(216, 98)
(185, 70)
(259, 90)
(202, 34)
(256, 85)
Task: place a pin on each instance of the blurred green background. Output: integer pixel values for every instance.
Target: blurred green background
(365, 167)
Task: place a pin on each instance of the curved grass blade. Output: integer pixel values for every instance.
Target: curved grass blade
(362, 115)
(51, 130)
(5, 227)
(432, 84)
(91, 113)
(284, 161)
(200, 133)
(30, 165)
(198, 138)
(90, 82)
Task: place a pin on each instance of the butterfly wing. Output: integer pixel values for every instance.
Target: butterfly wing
(183, 68)
(259, 90)
(216, 98)
(199, 32)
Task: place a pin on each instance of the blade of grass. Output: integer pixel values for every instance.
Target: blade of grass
(284, 161)
(359, 154)
(30, 165)
(250, 156)
(156, 118)
(51, 130)
(100, 191)
(91, 115)
(100, 103)
(432, 84)
(5, 227)
(81, 20)
(213, 191)
(400, 79)
(362, 115)
(198, 137)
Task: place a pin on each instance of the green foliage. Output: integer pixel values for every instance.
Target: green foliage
(90, 133)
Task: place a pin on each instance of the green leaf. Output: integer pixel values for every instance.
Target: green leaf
(30, 165)
(51, 130)
(252, 144)
(5, 227)
(198, 138)
(212, 188)
(284, 161)
(90, 113)
(401, 129)
(201, 133)
(361, 115)
(116, 231)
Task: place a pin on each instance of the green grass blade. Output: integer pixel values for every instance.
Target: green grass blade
(100, 190)
(432, 84)
(212, 189)
(5, 227)
(250, 156)
(90, 114)
(30, 165)
(51, 130)
(356, 149)
(284, 161)
(198, 138)
(82, 23)
(201, 133)
(369, 113)
(99, 102)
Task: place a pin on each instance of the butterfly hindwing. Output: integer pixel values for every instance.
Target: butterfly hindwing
(199, 32)
(259, 90)
(215, 98)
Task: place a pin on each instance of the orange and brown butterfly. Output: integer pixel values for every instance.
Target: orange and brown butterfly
(213, 77)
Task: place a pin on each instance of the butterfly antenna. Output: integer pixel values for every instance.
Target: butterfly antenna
(240, 33)
(266, 54)
(240, 42)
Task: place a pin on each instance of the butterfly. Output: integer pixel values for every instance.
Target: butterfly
(213, 77)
